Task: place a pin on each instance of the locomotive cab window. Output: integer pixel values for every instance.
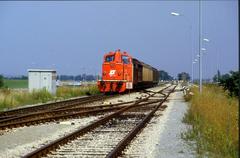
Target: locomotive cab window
(109, 58)
(125, 59)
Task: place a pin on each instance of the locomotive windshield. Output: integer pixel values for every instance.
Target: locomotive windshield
(109, 58)
(125, 60)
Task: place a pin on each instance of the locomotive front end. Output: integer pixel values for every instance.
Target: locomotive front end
(117, 71)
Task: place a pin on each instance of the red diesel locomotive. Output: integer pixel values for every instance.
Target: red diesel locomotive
(121, 72)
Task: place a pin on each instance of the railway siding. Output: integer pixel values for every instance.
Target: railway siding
(55, 130)
(102, 122)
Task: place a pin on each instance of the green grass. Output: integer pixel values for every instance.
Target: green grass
(214, 118)
(68, 92)
(11, 98)
(15, 83)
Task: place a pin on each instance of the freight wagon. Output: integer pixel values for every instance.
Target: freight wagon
(121, 72)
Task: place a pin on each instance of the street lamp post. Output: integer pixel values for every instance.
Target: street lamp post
(175, 14)
(200, 47)
(200, 56)
(203, 50)
(178, 14)
(205, 39)
(194, 62)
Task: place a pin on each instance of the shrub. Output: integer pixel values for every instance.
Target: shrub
(230, 82)
(1, 81)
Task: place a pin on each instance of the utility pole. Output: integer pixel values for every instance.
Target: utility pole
(200, 45)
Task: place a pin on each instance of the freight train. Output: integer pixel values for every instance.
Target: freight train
(121, 72)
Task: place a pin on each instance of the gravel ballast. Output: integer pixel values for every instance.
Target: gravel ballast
(161, 138)
(20, 141)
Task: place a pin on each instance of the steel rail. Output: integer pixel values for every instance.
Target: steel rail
(124, 142)
(53, 115)
(58, 111)
(55, 144)
(33, 112)
(61, 116)
(52, 105)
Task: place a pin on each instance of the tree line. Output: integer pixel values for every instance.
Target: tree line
(163, 75)
(83, 77)
(1, 81)
(229, 81)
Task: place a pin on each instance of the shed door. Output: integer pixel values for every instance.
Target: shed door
(46, 81)
(34, 82)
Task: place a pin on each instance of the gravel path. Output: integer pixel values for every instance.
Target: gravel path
(170, 144)
(162, 136)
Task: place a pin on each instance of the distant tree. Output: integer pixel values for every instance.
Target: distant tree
(78, 78)
(163, 75)
(82, 77)
(230, 82)
(90, 77)
(65, 77)
(24, 77)
(217, 77)
(183, 76)
(1, 81)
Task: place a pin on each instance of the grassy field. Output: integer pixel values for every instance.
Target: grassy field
(16, 83)
(214, 118)
(10, 98)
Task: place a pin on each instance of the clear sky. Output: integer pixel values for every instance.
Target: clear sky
(72, 37)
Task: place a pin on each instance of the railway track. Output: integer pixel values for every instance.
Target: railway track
(60, 114)
(108, 136)
(50, 106)
(73, 109)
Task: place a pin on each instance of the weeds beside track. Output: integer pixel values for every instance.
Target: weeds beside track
(214, 118)
(10, 98)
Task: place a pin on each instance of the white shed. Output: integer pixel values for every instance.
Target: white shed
(42, 78)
